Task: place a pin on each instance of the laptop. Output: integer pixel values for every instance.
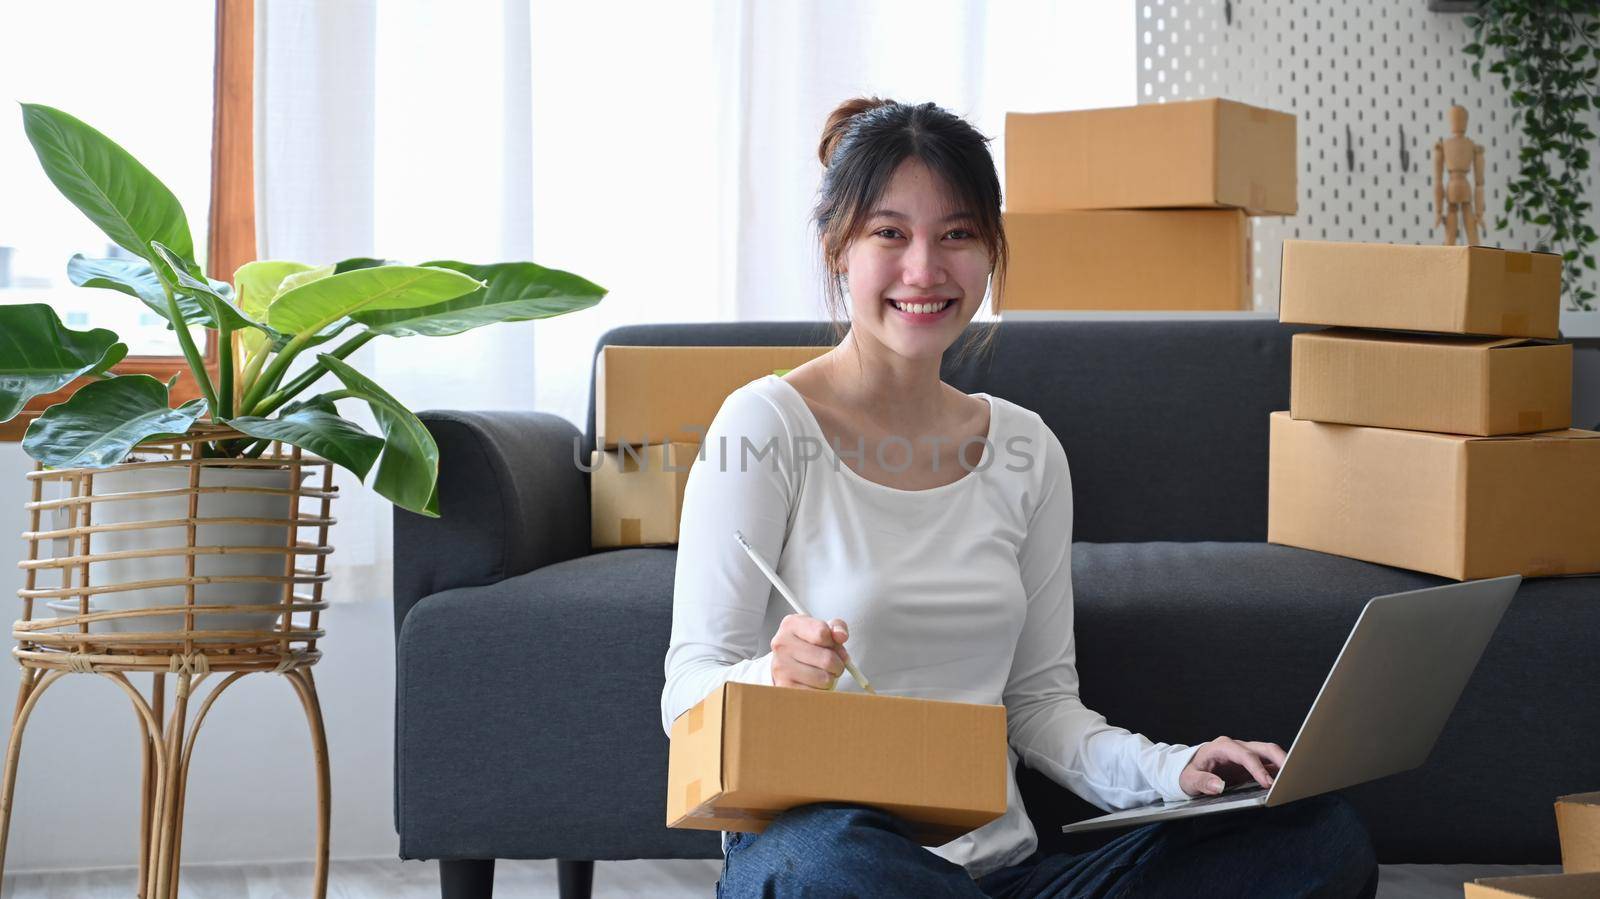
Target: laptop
(1382, 706)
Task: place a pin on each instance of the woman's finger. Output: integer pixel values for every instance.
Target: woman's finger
(1272, 752)
(1243, 756)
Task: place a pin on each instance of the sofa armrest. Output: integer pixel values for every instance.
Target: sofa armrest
(511, 499)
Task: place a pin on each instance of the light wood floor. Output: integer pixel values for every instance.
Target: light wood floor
(393, 879)
(384, 879)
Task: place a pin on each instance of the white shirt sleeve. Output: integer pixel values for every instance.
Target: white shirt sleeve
(1047, 724)
(719, 596)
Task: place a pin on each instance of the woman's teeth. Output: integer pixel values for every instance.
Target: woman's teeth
(921, 308)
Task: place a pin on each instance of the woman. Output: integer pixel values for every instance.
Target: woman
(937, 526)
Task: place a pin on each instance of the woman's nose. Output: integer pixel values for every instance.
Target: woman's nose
(922, 266)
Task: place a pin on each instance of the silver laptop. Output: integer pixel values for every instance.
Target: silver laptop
(1383, 705)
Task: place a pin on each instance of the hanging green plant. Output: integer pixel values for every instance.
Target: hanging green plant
(1547, 54)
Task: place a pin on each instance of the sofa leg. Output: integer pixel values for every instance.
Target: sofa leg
(466, 878)
(575, 878)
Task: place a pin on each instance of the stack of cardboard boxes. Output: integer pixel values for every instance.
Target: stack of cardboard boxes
(1142, 207)
(1578, 823)
(652, 406)
(1429, 428)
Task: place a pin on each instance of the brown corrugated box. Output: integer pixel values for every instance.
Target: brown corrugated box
(1536, 886)
(636, 494)
(1459, 385)
(1457, 506)
(1198, 153)
(1128, 259)
(1449, 290)
(661, 394)
(748, 752)
(1578, 822)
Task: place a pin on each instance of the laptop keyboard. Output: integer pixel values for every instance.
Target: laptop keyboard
(1243, 791)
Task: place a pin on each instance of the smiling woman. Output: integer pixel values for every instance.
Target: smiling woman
(892, 171)
(949, 578)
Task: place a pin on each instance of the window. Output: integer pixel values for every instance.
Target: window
(48, 57)
(190, 123)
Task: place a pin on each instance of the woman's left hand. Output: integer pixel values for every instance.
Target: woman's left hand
(1224, 762)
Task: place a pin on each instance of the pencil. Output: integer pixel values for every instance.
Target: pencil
(794, 602)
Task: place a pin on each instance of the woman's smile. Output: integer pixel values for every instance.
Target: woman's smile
(922, 310)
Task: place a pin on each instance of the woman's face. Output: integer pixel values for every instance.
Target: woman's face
(919, 249)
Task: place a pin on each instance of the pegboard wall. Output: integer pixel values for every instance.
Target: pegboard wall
(1371, 82)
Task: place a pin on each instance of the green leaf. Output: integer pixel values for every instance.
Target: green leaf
(358, 262)
(257, 283)
(314, 306)
(515, 291)
(105, 420)
(318, 430)
(306, 277)
(38, 354)
(135, 278)
(408, 471)
(219, 309)
(106, 183)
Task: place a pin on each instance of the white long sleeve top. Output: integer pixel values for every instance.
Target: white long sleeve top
(961, 592)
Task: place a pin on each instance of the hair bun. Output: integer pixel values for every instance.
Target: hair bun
(839, 122)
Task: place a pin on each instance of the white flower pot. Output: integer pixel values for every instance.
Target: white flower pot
(210, 505)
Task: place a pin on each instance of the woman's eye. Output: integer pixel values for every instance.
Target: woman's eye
(892, 233)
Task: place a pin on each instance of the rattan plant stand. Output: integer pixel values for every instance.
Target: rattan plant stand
(218, 564)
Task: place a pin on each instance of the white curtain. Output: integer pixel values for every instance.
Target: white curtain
(664, 151)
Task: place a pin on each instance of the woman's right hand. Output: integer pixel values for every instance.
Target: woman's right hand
(808, 652)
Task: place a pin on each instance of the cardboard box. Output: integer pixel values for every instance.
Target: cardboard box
(1449, 290)
(636, 494)
(1457, 506)
(1128, 259)
(1536, 886)
(748, 752)
(1200, 153)
(662, 394)
(1460, 385)
(1578, 821)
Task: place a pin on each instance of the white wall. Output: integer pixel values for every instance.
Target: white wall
(1368, 80)
(251, 792)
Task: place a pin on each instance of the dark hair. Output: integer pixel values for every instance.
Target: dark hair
(864, 141)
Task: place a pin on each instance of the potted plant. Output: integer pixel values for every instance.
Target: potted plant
(269, 316)
(1547, 54)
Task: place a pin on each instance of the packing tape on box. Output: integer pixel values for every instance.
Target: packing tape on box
(1519, 263)
(1257, 114)
(1514, 323)
(631, 531)
(697, 720)
(1551, 567)
(1258, 195)
(1532, 420)
(733, 814)
(691, 794)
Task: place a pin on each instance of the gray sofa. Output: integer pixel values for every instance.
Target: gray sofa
(529, 668)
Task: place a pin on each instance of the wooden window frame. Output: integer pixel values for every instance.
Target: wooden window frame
(231, 226)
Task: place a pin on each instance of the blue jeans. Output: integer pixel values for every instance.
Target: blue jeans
(1314, 847)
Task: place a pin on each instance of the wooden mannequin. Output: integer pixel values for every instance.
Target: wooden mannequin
(1457, 154)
